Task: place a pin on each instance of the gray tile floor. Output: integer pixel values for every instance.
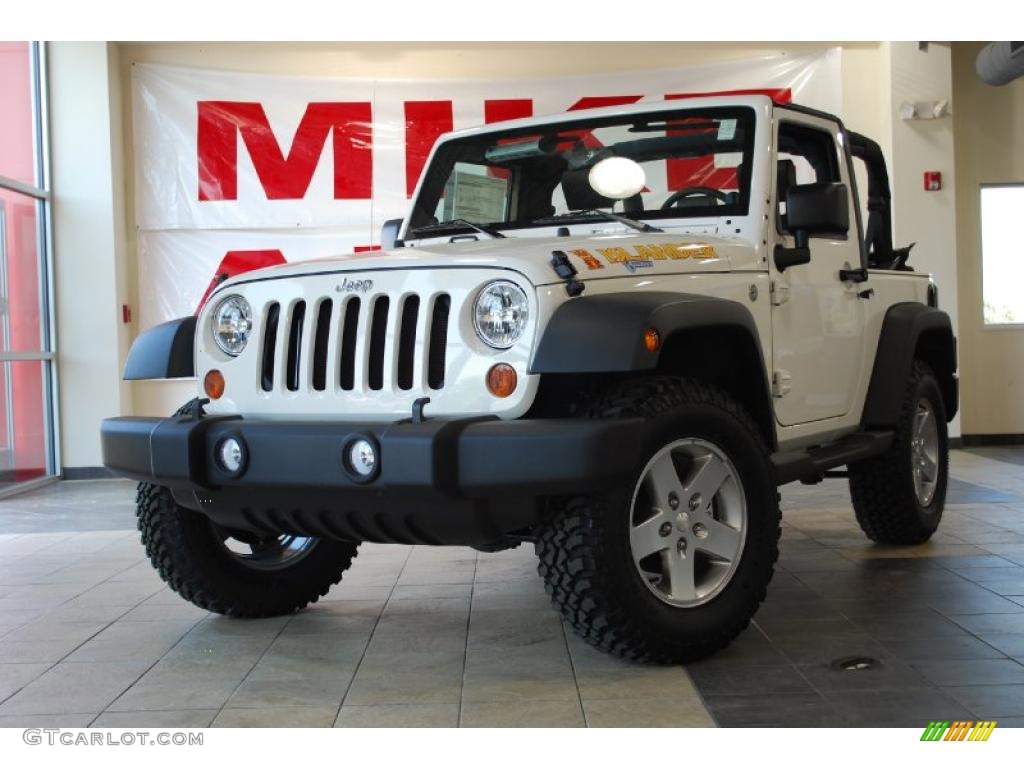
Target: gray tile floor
(419, 636)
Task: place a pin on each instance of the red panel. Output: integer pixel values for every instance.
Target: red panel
(593, 102)
(424, 122)
(284, 177)
(24, 413)
(778, 95)
(496, 110)
(237, 262)
(17, 153)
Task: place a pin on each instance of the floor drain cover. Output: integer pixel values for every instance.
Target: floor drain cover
(854, 663)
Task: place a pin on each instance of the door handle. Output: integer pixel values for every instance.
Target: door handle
(859, 275)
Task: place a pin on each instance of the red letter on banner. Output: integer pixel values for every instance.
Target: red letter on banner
(496, 110)
(424, 122)
(285, 178)
(237, 262)
(700, 172)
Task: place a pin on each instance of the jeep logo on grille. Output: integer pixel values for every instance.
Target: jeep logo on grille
(354, 286)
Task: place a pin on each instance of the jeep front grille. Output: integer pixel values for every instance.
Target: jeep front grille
(379, 343)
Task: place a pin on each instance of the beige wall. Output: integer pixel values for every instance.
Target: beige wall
(88, 243)
(989, 125)
(917, 73)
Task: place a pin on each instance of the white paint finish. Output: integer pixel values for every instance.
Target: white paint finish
(817, 332)
(88, 243)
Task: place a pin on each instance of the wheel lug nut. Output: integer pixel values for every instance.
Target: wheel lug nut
(700, 531)
(681, 546)
(695, 502)
(665, 529)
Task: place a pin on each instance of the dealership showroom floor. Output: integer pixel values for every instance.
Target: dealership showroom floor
(418, 636)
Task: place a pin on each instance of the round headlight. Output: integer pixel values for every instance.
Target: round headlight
(231, 323)
(500, 314)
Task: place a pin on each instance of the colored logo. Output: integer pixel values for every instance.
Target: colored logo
(959, 730)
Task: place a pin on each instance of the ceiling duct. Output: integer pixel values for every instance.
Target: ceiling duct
(999, 63)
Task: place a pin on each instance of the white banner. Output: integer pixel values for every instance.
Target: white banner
(235, 170)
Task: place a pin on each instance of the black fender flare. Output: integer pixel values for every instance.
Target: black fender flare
(604, 333)
(165, 351)
(910, 331)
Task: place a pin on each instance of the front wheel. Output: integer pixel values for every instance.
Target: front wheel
(672, 568)
(235, 572)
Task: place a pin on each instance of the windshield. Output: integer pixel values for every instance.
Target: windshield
(696, 163)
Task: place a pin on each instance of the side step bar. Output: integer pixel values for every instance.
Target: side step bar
(813, 462)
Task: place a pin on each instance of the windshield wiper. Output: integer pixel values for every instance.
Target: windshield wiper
(639, 226)
(465, 223)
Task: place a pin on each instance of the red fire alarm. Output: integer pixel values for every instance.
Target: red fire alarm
(126, 314)
(932, 181)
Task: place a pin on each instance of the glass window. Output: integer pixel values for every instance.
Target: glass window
(806, 156)
(20, 321)
(24, 435)
(1002, 257)
(26, 354)
(695, 162)
(17, 128)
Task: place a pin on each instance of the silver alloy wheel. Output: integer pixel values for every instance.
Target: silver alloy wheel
(688, 522)
(924, 452)
(266, 554)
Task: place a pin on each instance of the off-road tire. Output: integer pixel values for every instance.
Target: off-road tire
(193, 562)
(882, 488)
(584, 551)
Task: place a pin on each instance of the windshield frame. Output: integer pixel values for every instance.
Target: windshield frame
(450, 151)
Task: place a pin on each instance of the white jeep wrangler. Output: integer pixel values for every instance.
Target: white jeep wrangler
(611, 333)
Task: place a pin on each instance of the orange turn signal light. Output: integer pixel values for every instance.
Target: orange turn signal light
(652, 340)
(502, 380)
(213, 384)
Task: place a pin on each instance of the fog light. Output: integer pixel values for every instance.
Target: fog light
(231, 455)
(213, 384)
(502, 380)
(362, 458)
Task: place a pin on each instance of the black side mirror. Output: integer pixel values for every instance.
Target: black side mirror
(822, 208)
(389, 234)
(812, 209)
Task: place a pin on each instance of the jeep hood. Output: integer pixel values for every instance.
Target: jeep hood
(594, 256)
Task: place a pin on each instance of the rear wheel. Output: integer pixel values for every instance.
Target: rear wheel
(899, 496)
(673, 567)
(235, 572)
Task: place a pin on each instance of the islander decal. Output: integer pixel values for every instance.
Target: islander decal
(641, 256)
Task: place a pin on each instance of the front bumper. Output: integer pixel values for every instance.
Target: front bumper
(465, 481)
